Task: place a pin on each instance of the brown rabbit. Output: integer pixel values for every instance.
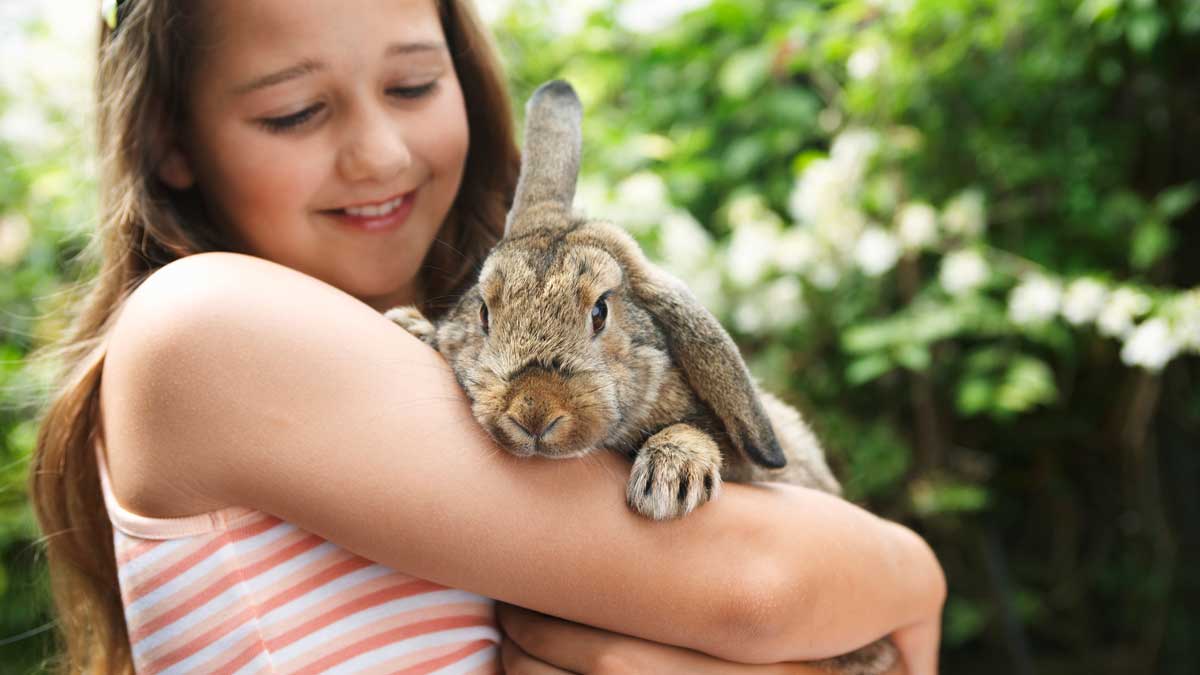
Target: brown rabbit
(571, 341)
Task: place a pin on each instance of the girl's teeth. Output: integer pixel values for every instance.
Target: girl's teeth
(374, 211)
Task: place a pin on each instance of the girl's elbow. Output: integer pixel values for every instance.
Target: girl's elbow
(760, 608)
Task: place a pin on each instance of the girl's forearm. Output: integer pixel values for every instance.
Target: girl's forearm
(842, 579)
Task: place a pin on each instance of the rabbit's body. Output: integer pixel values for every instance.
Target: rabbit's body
(624, 391)
(572, 341)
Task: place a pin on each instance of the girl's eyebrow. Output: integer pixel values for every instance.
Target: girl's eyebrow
(308, 66)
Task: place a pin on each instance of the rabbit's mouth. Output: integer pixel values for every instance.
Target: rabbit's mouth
(528, 435)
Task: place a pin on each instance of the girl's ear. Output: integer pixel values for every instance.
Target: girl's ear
(175, 170)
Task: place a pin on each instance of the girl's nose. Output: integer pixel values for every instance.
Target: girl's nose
(375, 148)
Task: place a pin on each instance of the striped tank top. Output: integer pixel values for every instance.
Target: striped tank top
(240, 591)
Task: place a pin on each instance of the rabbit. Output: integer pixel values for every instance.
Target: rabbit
(571, 340)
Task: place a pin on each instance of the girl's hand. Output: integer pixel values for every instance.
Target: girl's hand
(536, 644)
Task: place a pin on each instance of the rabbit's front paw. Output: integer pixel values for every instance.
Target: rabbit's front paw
(677, 469)
(412, 320)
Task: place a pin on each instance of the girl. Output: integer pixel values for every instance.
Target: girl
(241, 433)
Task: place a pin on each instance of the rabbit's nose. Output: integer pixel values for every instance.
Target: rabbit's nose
(538, 428)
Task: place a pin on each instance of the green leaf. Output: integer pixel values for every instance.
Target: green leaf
(1029, 382)
(1151, 241)
(964, 620)
(914, 357)
(861, 371)
(1144, 30)
(744, 72)
(1173, 202)
(931, 498)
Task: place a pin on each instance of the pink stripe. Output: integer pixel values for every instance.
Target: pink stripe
(196, 555)
(283, 623)
(404, 590)
(219, 573)
(340, 569)
(322, 571)
(433, 657)
(221, 585)
(410, 659)
(207, 638)
(130, 548)
(392, 636)
(420, 615)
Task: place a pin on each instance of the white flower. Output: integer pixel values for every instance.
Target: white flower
(1034, 300)
(964, 214)
(640, 202)
(492, 11)
(1083, 301)
(962, 272)
(685, 244)
(14, 239)
(1187, 320)
(864, 62)
(877, 251)
(750, 252)
(748, 316)
(1150, 345)
(820, 189)
(853, 149)
(825, 274)
(705, 283)
(796, 250)
(784, 302)
(649, 17)
(916, 225)
(1125, 305)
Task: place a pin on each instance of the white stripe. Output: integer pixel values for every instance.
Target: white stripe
(198, 571)
(136, 567)
(284, 612)
(479, 658)
(231, 596)
(417, 643)
(224, 646)
(261, 663)
(357, 620)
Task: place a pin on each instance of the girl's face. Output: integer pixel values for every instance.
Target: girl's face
(326, 135)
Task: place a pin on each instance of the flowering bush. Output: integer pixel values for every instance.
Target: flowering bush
(956, 232)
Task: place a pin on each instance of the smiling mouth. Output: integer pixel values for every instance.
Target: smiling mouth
(374, 210)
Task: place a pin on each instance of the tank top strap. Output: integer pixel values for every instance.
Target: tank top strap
(145, 527)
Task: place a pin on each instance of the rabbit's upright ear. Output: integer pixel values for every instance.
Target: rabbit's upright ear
(550, 160)
(703, 350)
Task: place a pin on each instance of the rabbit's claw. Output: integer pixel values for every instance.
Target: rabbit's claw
(677, 470)
(412, 320)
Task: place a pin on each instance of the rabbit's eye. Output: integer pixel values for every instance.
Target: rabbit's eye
(599, 314)
(483, 317)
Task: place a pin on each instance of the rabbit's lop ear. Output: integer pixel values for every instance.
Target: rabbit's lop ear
(711, 361)
(550, 160)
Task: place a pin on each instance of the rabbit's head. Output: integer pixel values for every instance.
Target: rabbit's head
(569, 335)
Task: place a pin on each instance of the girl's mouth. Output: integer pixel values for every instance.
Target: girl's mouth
(383, 217)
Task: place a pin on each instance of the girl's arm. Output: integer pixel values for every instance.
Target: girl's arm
(230, 380)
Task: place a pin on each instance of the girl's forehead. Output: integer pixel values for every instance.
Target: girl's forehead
(245, 36)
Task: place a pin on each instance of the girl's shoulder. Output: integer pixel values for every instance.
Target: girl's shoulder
(188, 351)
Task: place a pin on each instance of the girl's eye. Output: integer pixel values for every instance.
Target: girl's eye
(599, 314)
(281, 124)
(483, 317)
(413, 92)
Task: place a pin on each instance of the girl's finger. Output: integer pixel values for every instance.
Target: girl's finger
(517, 662)
(566, 644)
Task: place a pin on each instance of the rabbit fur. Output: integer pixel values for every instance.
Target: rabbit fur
(571, 340)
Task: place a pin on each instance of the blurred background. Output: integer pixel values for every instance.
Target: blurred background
(963, 235)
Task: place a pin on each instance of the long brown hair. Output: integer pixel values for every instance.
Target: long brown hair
(141, 87)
